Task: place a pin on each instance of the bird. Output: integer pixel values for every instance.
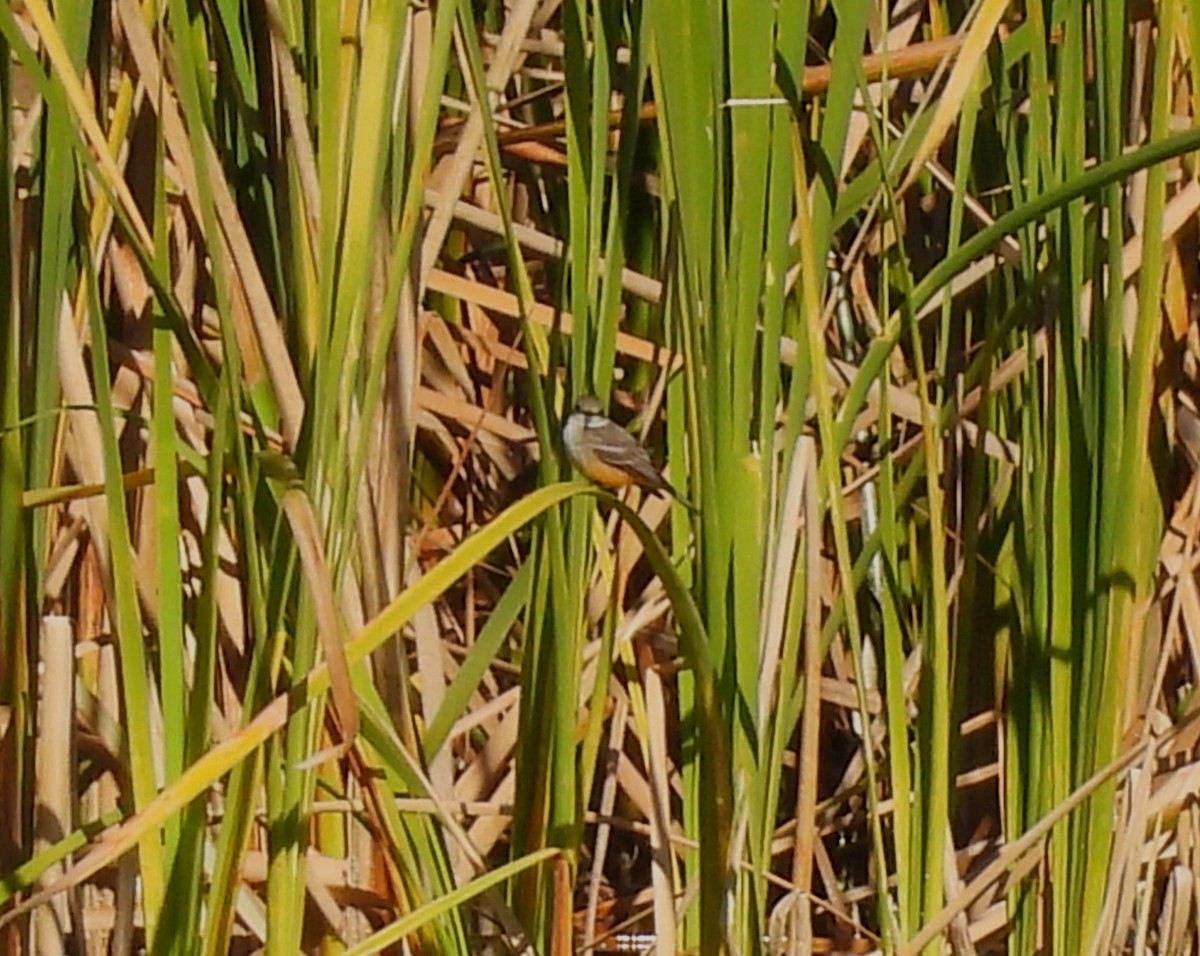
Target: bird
(607, 454)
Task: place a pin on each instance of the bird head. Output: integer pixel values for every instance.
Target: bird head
(589, 405)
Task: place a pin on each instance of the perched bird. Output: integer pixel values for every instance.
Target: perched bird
(607, 454)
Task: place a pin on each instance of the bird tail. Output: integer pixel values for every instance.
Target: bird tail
(667, 487)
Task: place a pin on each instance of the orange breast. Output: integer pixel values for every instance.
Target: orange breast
(604, 474)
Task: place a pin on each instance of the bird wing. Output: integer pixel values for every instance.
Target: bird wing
(616, 447)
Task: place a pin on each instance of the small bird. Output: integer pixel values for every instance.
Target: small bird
(607, 454)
